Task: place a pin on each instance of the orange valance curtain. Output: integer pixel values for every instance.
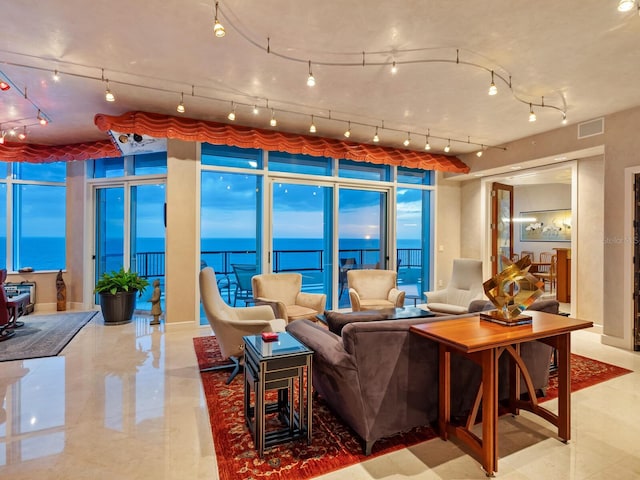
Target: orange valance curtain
(30, 153)
(165, 126)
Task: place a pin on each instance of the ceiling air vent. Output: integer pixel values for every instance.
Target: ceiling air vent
(591, 128)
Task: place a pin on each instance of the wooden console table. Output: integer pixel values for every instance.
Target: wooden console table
(483, 342)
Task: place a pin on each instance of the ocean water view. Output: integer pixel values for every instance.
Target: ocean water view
(48, 253)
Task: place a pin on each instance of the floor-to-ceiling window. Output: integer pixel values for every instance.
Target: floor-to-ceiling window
(413, 239)
(320, 217)
(32, 216)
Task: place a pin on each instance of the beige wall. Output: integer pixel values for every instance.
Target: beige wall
(181, 290)
(447, 232)
(589, 295)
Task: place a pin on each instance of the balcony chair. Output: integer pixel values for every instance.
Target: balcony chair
(230, 324)
(243, 274)
(283, 291)
(464, 287)
(372, 289)
(346, 264)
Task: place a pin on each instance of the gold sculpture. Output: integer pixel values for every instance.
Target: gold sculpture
(503, 288)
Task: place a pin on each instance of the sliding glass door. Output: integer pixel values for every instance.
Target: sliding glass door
(230, 234)
(130, 232)
(301, 233)
(362, 235)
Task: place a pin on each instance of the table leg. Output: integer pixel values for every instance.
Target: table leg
(444, 391)
(308, 399)
(564, 386)
(259, 437)
(490, 411)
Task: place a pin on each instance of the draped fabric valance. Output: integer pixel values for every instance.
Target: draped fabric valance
(31, 153)
(165, 126)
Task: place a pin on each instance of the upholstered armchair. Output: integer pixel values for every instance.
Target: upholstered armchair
(230, 324)
(464, 287)
(374, 290)
(283, 291)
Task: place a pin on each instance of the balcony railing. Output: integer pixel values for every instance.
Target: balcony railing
(152, 264)
(311, 262)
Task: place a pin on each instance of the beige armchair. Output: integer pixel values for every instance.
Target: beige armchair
(374, 290)
(230, 324)
(283, 292)
(464, 287)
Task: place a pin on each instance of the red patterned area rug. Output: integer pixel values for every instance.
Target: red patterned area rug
(585, 372)
(334, 444)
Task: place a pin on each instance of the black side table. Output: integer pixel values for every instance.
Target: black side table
(277, 365)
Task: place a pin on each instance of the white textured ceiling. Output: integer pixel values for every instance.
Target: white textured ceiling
(580, 55)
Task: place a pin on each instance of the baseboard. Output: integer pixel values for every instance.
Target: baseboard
(624, 343)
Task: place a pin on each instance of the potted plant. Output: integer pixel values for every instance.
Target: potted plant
(117, 292)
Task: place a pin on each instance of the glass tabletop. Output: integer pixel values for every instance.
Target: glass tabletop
(286, 344)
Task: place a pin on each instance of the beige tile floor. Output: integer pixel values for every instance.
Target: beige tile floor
(125, 402)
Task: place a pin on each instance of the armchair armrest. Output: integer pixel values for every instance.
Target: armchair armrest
(355, 300)
(315, 301)
(279, 308)
(261, 312)
(254, 327)
(436, 296)
(396, 296)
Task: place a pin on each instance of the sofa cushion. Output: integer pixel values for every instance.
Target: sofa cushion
(446, 308)
(337, 320)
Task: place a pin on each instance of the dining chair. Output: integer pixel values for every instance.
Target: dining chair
(524, 253)
(547, 269)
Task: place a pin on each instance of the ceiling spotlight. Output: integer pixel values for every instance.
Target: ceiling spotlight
(108, 96)
(479, 153)
(218, 29)
(273, 122)
(180, 107)
(255, 110)
(447, 149)
(394, 68)
(23, 134)
(407, 140)
(376, 138)
(41, 118)
(312, 127)
(310, 80)
(625, 5)
(56, 76)
(427, 145)
(4, 86)
(123, 138)
(232, 113)
(347, 132)
(564, 118)
(492, 88)
(12, 132)
(532, 115)
(2, 135)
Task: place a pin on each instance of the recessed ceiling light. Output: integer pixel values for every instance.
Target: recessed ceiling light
(515, 167)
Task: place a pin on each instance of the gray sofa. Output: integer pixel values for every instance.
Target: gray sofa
(382, 380)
